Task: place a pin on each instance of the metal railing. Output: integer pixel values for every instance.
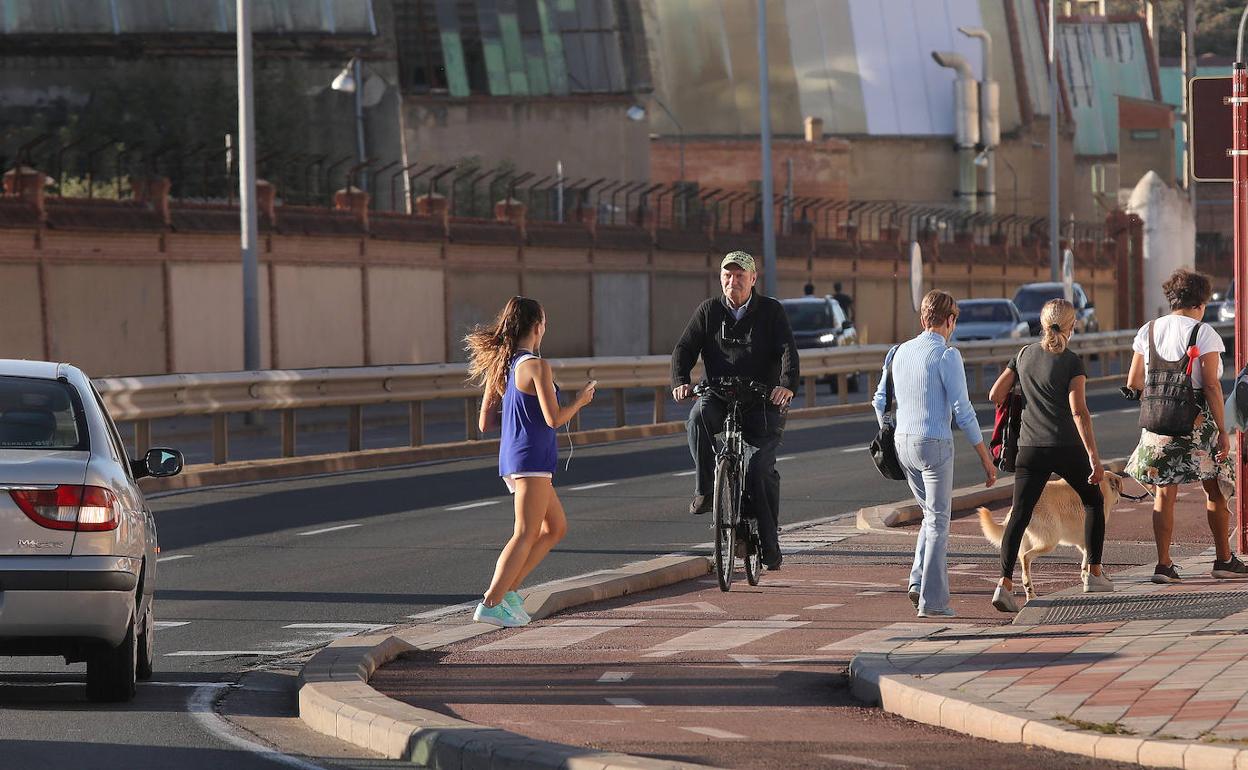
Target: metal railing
(141, 400)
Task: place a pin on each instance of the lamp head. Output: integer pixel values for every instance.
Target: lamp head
(345, 80)
(636, 113)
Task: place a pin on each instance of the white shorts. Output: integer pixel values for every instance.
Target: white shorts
(510, 480)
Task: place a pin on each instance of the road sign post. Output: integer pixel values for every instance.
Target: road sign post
(1239, 158)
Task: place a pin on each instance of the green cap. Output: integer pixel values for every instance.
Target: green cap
(740, 259)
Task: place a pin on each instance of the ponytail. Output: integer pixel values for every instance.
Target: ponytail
(491, 347)
(1057, 324)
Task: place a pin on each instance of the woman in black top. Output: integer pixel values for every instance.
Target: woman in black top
(1056, 429)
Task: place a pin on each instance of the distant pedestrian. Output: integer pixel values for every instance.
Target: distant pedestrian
(809, 289)
(1055, 437)
(844, 300)
(929, 381)
(521, 396)
(1202, 455)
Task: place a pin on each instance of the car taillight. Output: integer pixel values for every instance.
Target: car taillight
(69, 506)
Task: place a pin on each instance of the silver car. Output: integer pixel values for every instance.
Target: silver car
(77, 540)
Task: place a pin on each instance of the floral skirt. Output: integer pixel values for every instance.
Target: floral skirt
(1166, 460)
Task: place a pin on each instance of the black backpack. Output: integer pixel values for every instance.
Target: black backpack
(1168, 405)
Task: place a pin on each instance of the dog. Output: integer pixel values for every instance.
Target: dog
(1056, 520)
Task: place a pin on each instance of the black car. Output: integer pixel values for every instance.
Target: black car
(1030, 298)
(820, 322)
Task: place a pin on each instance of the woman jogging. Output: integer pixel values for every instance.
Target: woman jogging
(1056, 437)
(503, 359)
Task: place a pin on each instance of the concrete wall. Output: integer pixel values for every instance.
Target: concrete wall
(142, 302)
(531, 134)
(565, 298)
(320, 316)
(405, 313)
(21, 323)
(206, 317)
(107, 318)
(620, 326)
(474, 298)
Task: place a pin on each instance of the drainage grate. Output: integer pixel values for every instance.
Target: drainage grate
(1090, 609)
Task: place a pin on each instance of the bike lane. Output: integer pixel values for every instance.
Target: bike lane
(753, 678)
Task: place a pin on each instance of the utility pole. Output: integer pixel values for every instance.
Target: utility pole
(1189, 72)
(247, 191)
(1053, 116)
(770, 285)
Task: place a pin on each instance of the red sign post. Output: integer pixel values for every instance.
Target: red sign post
(1239, 156)
(1219, 151)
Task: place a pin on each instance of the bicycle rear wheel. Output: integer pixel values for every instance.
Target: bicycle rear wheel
(753, 555)
(726, 506)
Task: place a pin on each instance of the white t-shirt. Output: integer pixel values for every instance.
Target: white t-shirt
(1171, 333)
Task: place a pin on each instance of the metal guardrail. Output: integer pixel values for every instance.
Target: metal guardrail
(140, 400)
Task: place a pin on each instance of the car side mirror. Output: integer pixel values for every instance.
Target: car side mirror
(159, 462)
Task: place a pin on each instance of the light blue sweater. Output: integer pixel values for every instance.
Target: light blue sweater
(929, 383)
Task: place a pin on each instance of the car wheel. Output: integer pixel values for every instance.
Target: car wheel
(147, 643)
(111, 672)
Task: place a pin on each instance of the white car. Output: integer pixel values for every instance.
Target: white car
(77, 540)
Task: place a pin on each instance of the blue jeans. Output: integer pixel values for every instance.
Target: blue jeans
(928, 463)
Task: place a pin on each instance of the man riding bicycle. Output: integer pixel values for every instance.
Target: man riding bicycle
(740, 334)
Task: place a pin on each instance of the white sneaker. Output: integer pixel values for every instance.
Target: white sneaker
(1097, 584)
(498, 615)
(1003, 600)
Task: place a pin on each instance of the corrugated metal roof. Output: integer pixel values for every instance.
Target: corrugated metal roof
(1102, 61)
(864, 66)
(118, 17)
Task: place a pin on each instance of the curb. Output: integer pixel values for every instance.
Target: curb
(874, 679)
(335, 698)
(899, 514)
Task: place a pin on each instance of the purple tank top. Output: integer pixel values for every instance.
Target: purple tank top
(529, 445)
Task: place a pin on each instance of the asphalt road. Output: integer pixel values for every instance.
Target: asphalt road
(252, 575)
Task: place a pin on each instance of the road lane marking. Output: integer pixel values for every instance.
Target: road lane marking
(711, 732)
(342, 626)
(725, 636)
(598, 485)
(850, 759)
(616, 676)
(201, 706)
(849, 449)
(466, 506)
(626, 703)
(171, 623)
(702, 608)
(781, 617)
(786, 457)
(685, 473)
(558, 636)
(223, 653)
(328, 529)
(175, 557)
(823, 606)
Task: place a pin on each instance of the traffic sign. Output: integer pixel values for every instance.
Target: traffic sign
(1212, 134)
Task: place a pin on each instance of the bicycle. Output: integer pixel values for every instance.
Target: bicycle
(730, 469)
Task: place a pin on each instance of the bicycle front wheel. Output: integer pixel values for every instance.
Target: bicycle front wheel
(727, 507)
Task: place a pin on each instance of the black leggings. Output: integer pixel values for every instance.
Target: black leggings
(1034, 466)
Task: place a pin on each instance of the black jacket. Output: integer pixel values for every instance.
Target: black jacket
(760, 346)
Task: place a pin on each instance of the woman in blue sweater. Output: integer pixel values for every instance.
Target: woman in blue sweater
(521, 398)
(929, 383)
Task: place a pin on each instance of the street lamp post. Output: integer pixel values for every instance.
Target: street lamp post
(770, 277)
(638, 113)
(351, 80)
(1053, 199)
(247, 191)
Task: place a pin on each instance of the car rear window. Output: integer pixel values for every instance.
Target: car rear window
(984, 312)
(808, 316)
(1032, 300)
(40, 414)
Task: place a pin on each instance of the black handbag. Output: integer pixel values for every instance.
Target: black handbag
(1169, 404)
(884, 446)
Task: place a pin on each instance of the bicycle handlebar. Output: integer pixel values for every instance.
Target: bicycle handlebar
(732, 388)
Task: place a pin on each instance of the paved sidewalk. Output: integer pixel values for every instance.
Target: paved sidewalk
(755, 678)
